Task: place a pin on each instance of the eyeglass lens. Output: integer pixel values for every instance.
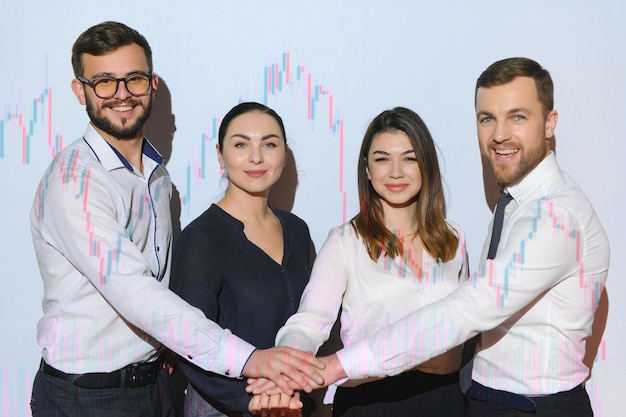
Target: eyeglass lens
(136, 84)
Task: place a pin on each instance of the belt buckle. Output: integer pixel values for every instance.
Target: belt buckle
(133, 375)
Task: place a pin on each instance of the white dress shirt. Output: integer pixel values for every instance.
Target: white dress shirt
(534, 303)
(102, 235)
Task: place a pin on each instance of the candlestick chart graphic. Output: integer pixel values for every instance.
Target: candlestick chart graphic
(18, 124)
(279, 77)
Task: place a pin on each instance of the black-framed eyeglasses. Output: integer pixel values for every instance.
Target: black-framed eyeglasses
(137, 84)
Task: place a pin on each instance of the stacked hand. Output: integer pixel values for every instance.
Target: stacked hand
(276, 405)
(286, 368)
(274, 395)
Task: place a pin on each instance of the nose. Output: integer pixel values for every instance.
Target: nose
(256, 155)
(396, 169)
(122, 90)
(501, 132)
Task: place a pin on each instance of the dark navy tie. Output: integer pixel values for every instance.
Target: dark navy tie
(503, 201)
(467, 357)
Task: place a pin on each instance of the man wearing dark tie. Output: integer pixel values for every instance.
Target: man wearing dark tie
(532, 302)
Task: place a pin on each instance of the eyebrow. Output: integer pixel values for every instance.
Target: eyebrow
(387, 153)
(110, 74)
(245, 137)
(512, 111)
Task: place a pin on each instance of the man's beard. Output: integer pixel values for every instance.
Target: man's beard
(511, 175)
(126, 131)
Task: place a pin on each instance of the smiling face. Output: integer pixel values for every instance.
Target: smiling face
(253, 153)
(512, 130)
(123, 115)
(393, 170)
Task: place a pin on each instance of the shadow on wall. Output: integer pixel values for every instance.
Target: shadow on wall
(159, 130)
(283, 192)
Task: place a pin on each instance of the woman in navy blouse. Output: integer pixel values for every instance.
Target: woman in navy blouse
(243, 263)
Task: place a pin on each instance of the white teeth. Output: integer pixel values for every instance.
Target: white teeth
(122, 108)
(507, 151)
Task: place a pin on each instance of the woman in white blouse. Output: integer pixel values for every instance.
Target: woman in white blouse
(396, 255)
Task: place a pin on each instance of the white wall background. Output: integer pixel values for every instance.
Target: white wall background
(370, 56)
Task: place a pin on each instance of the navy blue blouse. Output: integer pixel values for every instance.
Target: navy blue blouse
(235, 283)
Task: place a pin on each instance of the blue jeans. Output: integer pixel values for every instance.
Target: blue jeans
(54, 397)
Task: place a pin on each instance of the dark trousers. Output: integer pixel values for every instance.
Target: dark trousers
(409, 394)
(574, 403)
(55, 397)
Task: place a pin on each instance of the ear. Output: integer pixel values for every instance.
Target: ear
(220, 159)
(79, 91)
(367, 170)
(155, 85)
(551, 120)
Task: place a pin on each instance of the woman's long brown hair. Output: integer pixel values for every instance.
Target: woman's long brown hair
(439, 241)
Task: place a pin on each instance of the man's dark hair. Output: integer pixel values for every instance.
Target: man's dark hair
(104, 38)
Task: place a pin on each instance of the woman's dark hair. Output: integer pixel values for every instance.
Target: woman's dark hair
(247, 107)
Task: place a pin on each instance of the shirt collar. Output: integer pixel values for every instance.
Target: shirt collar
(534, 178)
(109, 157)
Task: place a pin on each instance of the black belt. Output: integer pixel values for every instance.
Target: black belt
(511, 400)
(130, 376)
(503, 398)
